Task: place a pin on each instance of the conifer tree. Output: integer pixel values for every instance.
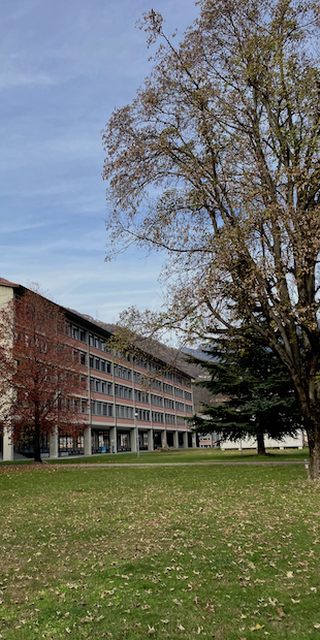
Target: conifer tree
(257, 397)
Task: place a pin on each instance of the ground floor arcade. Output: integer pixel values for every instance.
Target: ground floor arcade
(95, 440)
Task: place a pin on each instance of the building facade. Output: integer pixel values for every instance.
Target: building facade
(127, 402)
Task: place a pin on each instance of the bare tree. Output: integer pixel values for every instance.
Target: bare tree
(217, 162)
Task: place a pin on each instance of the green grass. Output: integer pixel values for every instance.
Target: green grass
(182, 456)
(192, 455)
(169, 552)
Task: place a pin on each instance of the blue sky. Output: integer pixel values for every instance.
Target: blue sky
(64, 66)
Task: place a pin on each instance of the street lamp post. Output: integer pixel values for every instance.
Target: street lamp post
(137, 432)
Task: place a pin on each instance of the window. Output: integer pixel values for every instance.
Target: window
(84, 406)
(98, 386)
(122, 372)
(154, 367)
(141, 363)
(91, 362)
(178, 392)
(141, 397)
(157, 417)
(124, 412)
(91, 340)
(82, 335)
(179, 406)
(103, 365)
(156, 400)
(98, 408)
(82, 358)
(107, 410)
(170, 419)
(97, 364)
(103, 387)
(75, 333)
(187, 396)
(168, 403)
(143, 415)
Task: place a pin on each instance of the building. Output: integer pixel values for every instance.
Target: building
(124, 396)
(288, 442)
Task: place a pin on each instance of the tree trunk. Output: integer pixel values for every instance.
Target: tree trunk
(314, 450)
(37, 451)
(260, 445)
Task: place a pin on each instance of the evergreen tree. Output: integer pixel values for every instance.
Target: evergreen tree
(257, 397)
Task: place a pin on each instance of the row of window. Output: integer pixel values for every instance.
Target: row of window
(99, 365)
(101, 409)
(122, 372)
(156, 400)
(99, 343)
(101, 386)
(121, 391)
(122, 411)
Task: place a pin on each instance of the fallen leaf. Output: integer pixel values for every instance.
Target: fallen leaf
(257, 627)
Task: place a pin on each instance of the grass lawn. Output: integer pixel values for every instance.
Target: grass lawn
(230, 553)
(191, 455)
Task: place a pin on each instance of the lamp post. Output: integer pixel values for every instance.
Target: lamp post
(137, 432)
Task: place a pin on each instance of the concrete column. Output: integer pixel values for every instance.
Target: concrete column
(54, 445)
(113, 440)
(185, 440)
(194, 441)
(163, 438)
(133, 440)
(150, 440)
(175, 440)
(8, 448)
(87, 441)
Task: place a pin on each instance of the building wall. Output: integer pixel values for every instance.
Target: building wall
(6, 296)
(118, 395)
(270, 443)
(119, 388)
